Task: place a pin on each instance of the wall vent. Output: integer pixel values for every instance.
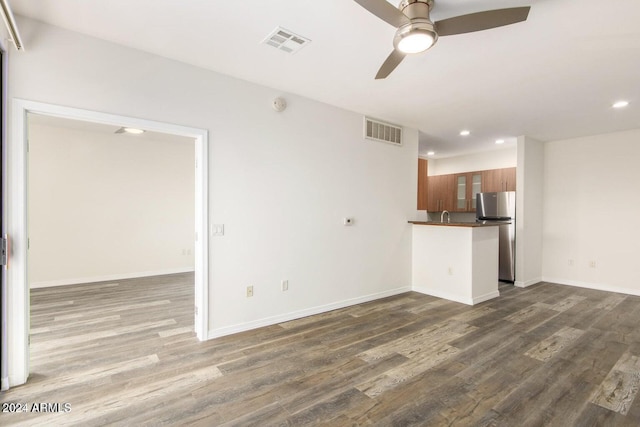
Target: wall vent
(381, 131)
(285, 40)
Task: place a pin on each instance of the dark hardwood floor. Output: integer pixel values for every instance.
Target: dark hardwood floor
(125, 354)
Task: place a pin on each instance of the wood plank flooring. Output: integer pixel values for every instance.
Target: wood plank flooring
(125, 354)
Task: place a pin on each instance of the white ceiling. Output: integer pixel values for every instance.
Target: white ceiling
(552, 77)
(104, 129)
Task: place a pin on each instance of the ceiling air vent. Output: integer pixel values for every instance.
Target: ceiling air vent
(286, 40)
(380, 131)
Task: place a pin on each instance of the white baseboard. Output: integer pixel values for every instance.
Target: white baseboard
(457, 298)
(595, 286)
(108, 278)
(486, 297)
(527, 283)
(444, 295)
(268, 321)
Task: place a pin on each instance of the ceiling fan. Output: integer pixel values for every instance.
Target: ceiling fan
(417, 33)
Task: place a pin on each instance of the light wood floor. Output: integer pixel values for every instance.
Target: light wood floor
(125, 354)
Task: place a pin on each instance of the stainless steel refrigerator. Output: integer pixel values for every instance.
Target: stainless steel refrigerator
(501, 208)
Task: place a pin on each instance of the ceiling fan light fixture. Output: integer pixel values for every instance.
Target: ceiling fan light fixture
(416, 32)
(415, 42)
(415, 37)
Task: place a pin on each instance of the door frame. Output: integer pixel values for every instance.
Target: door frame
(4, 305)
(16, 220)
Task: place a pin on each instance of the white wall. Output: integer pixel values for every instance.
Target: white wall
(280, 182)
(104, 206)
(496, 159)
(529, 208)
(456, 263)
(591, 205)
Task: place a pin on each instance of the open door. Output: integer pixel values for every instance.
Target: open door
(6, 345)
(4, 255)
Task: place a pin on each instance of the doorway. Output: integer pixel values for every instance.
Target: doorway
(105, 204)
(18, 229)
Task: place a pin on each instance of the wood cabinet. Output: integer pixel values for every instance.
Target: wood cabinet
(509, 179)
(457, 192)
(422, 184)
(467, 186)
(440, 190)
(499, 180)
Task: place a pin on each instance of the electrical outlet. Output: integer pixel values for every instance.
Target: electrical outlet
(570, 263)
(450, 271)
(249, 291)
(348, 221)
(284, 285)
(592, 264)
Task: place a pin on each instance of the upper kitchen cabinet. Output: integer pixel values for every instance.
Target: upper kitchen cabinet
(499, 180)
(440, 189)
(467, 185)
(509, 179)
(457, 192)
(422, 184)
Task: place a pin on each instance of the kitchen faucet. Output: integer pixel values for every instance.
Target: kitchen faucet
(448, 216)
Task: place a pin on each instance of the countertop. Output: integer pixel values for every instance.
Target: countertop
(457, 224)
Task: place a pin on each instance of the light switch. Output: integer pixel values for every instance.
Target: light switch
(217, 230)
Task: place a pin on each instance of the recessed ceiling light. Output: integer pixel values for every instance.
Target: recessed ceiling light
(431, 153)
(465, 133)
(499, 141)
(620, 104)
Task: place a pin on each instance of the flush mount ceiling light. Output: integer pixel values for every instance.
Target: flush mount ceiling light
(431, 153)
(499, 141)
(465, 133)
(620, 104)
(133, 131)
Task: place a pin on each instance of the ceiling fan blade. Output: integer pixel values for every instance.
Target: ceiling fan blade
(390, 64)
(481, 21)
(385, 11)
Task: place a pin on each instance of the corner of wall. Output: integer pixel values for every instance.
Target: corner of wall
(529, 198)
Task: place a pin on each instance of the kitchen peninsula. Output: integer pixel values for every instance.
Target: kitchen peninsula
(455, 261)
